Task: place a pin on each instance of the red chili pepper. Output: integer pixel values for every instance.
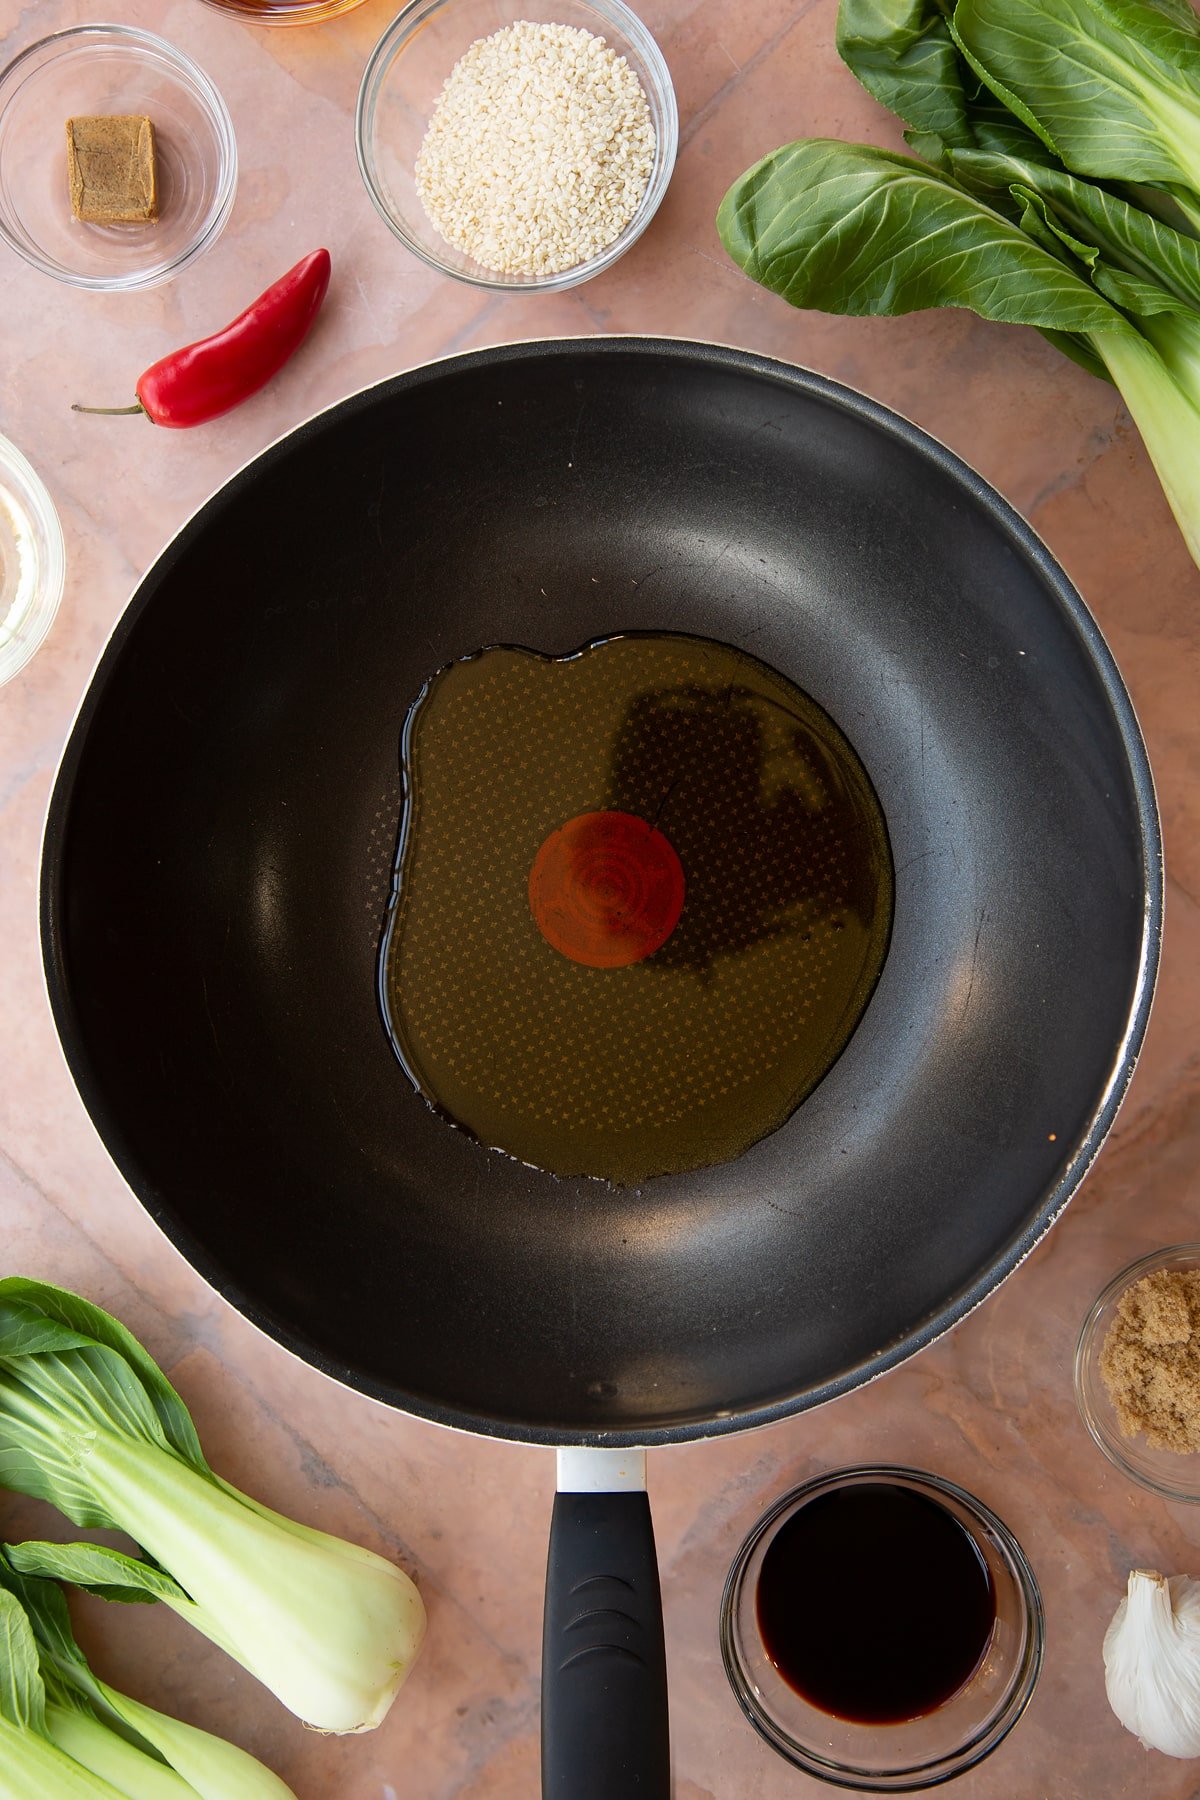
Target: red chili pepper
(208, 378)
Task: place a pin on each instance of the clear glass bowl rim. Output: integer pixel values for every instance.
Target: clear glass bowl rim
(50, 592)
(314, 12)
(1143, 1265)
(391, 44)
(222, 205)
(969, 1754)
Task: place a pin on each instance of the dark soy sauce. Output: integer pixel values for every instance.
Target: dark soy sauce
(875, 1604)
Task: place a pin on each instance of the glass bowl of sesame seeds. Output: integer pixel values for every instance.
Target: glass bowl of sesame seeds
(517, 149)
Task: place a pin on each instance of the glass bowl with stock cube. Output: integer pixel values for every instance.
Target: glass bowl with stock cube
(514, 151)
(118, 162)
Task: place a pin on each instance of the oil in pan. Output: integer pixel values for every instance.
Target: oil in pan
(641, 899)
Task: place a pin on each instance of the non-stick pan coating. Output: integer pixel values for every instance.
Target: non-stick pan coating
(221, 833)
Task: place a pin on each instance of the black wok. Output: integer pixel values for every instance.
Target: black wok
(217, 859)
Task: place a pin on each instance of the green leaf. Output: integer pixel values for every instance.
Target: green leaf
(22, 1691)
(55, 1408)
(63, 1665)
(69, 1681)
(57, 1306)
(851, 229)
(98, 1570)
(1038, 222)
(1146, 300)
(71, 1380)
(996, 225)
(1126, 236)
(930, 148)
(26, 1332)
(1111, 86)
(903, 53)
(1181, 12)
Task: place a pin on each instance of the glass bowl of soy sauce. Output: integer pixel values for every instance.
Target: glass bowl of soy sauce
(882, 1629)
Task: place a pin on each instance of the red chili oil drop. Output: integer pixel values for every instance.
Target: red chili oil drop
(606, 889)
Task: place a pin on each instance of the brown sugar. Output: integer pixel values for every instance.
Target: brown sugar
(1151, 1360)
(112, 169)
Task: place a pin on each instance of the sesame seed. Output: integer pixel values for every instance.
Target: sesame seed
(538, 152)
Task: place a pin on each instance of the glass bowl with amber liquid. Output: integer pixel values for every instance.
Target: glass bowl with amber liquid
(882, 1629)
(285, 12)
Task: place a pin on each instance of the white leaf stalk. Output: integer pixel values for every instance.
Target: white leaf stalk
(1163, 398)
(49, 1693)
(202, 1767)
(1152, 1662)
(331, 1628)
(82, 1736)
(89, 1422)
(32, 1768)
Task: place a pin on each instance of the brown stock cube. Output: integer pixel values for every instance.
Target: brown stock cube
(112, 168)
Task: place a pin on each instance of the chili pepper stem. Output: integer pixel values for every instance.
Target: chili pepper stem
(207, 378)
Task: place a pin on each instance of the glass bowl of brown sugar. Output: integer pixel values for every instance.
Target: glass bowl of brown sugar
(1137, 1372)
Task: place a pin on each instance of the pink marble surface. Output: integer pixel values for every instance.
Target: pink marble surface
(991, 1406)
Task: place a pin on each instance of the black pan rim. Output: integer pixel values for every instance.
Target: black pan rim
(1026, 544)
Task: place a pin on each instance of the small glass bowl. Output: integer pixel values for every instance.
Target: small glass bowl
(400, 88)
(32, 561)
(112, 69)
(1174, 1475)
(919, 1753)
(284, 12)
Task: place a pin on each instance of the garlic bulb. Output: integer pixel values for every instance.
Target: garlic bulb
(1152, 1662)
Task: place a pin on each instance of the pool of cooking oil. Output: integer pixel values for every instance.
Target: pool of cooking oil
(690, 1054)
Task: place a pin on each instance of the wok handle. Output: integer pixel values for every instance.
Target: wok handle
(605, 1733)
